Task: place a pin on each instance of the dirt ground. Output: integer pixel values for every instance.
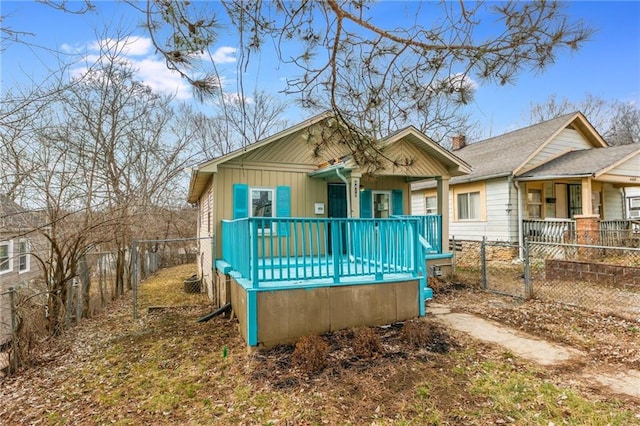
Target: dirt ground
(113, 370)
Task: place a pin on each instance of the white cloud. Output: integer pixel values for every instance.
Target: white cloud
(224, 55)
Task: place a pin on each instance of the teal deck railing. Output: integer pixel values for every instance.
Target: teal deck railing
(303, 249)
(430, 227)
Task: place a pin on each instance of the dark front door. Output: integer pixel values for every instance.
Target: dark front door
(337, 208)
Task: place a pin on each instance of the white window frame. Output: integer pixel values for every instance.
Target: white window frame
(26, 255)
(478, 208)
(270, 230)
(533, 203)
(634, 207)
(9, 246)
(426, 204)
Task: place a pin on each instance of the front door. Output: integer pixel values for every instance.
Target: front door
(337, 208)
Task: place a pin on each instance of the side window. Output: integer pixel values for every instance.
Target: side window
(23, 256)
(5, 256)
(431, 205)
(261, 205)
(469, 206)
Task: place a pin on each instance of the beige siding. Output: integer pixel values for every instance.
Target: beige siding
(566, 140)
(428, 166)
(296, 149)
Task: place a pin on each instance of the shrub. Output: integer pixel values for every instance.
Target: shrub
(310, 354)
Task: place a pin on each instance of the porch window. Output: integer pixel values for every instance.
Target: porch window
(262, 205)
(469, 206)
(431, 205)
(5, 253)
(534, 203)
(634, 208)
(23, 256)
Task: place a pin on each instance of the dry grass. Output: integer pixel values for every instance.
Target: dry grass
(169, 369)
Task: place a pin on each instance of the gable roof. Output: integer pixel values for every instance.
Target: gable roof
(408, 141)
(506, 154)
(588, 162)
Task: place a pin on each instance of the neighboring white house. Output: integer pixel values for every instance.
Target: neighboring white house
(527, 180)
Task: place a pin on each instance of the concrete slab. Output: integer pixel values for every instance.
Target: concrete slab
(627, 383)
(517, 342)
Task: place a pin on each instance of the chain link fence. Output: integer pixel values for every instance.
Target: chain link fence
(600, 278)
(165, 274)
(596, 277)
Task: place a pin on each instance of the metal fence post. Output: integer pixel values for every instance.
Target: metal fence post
(528, 285)
(79, 301)
(13, 360)
(69, 304)
(134, 278)
(483, 261)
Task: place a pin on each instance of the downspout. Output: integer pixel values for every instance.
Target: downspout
(519, 204)
(346, 182)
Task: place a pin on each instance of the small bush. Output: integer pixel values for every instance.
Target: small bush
(366, 343)
(310, 354)
(416, 333)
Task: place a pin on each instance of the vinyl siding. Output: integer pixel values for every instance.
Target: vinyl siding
(566, 140)
(500, 223)
(630, 167)
(613, 203)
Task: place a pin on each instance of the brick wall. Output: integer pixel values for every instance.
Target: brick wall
(602, 273)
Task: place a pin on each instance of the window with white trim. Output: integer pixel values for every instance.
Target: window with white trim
(261, 204)
(23, 256)
(469, 205)
(534, 203)
(5, 257)
(431, 204)
(634, 207)
(381, 202)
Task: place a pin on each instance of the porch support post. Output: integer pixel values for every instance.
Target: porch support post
(587, 206)
(353, 191)
(443, 210)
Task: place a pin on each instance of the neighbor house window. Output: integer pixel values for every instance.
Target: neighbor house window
(261, 205)
(468, 205)
(634, 208)
(534, 203)
(23, 256)
(5, 259)
(431, 205)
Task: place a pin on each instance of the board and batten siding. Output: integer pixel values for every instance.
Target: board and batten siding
(566, 140)
(305, 191)
(501, 219)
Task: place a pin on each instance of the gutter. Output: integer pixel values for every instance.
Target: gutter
(553, 177)
(519, 204)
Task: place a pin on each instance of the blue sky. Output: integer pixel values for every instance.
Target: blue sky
(608, 66)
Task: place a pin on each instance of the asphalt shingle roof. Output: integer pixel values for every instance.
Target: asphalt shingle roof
(500, 155)
(583, 162)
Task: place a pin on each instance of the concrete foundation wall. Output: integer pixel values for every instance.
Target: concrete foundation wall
(286, 315)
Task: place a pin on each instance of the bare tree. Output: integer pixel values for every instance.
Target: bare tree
(618, 122)
(371, 74)
(97, 159)
(237, 121)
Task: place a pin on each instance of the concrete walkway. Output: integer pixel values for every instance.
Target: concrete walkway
(531, 347)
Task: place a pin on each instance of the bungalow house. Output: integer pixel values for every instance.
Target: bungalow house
(550, 182)
(305, 240)
(18, 265)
